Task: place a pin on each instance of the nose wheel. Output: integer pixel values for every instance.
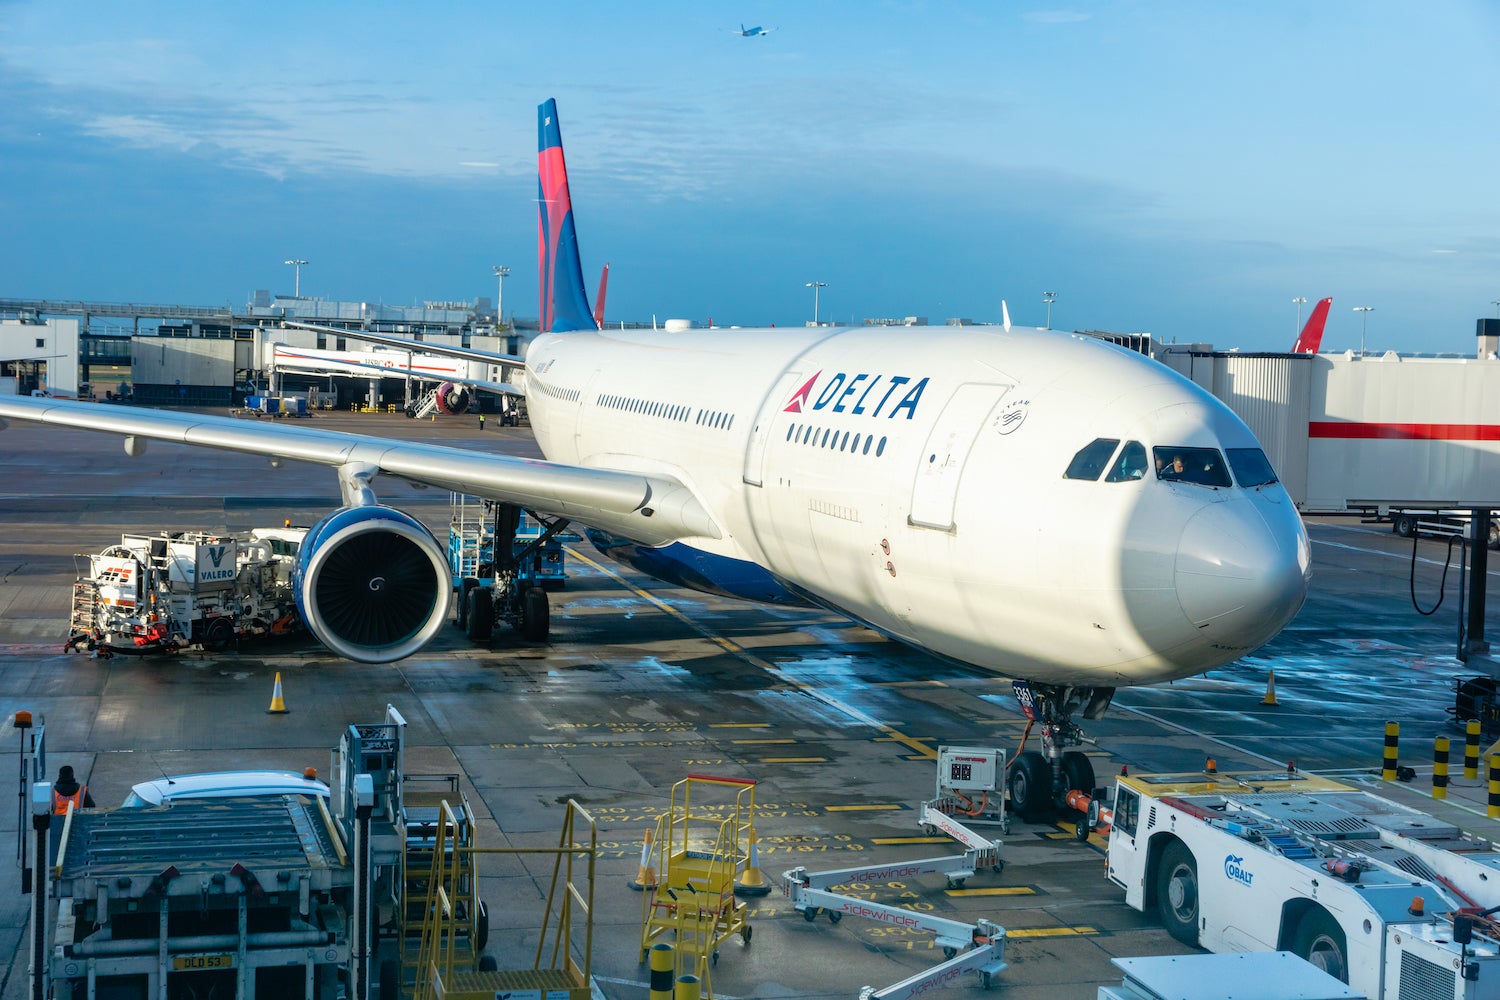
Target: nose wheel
(1039, 782)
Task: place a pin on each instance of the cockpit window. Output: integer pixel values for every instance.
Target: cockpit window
(1091, 459)
(1130, 465)
(1251, 468)
(1200, 466)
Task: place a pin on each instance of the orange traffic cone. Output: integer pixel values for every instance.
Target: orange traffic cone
(278, 706)
(1270, 698)
(646, 877)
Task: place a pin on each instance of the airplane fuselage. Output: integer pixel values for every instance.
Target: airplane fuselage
(927, 482)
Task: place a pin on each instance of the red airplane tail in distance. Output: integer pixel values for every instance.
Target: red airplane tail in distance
(1311, 337)
(599, 299)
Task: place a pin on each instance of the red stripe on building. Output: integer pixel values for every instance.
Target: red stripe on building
(1353, 430)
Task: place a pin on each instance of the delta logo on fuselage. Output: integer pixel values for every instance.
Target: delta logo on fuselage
(863, 395)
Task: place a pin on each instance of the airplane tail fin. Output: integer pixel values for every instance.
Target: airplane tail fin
(1311, 337)
(599, 299)
(564, 304)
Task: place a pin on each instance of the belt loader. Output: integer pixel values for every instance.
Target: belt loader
(1392, 901)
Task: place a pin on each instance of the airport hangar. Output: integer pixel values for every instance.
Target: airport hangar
(1349, 432)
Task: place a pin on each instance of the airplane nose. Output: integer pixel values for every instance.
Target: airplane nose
(1241, 576)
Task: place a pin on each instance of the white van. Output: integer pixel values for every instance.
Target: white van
(223, 785)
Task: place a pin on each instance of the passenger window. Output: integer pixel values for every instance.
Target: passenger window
(1130, 465)
(1199, 466)
(1091, 459)
(1251, 468)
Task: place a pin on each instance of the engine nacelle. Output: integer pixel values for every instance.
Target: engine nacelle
(454, 398)
(372, 583)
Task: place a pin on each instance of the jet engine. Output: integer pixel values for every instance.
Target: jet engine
(454, 398)
(372, 583)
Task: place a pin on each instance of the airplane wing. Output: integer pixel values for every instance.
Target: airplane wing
(466, 353)
(651, 509)
(333, 367)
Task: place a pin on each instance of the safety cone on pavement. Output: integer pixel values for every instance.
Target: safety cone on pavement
(646, 877)
(278, 705)
(751, 882)
(1270, 698)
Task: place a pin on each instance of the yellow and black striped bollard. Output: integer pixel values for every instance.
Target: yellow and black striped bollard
(1440, 768)
(1471, 749)
(663, 970)
(1388, 764)
(1494, 808)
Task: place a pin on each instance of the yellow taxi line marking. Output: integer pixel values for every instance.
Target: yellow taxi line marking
(902, 841)
(794, 760)
(873, 807)
(1003, 890)
(754, 743)
(924, 752)
(739, 725)
(1047, 932)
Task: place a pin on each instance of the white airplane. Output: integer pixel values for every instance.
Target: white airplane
(755, 32)
(446, 369)
(1046, 506)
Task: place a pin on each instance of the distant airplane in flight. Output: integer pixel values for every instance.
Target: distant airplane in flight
(1311, 337)
(755, 32)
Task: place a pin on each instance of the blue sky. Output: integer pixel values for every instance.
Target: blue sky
(1179, 168)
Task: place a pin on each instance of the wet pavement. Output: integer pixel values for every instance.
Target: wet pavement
(642, 684)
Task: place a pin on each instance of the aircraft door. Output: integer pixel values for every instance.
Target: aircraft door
(755, 451)
(941, 464)
(582, 448)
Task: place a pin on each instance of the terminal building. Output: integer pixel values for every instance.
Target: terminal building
(161, 355)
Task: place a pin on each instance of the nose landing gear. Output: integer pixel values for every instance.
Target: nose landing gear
(1039, 782)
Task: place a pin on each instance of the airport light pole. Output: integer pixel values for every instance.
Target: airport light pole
(501, 273)
(1049, 298)
(1364, 312)
(297, 280)
(816, 286)
(1298, 303)
(1496, 304)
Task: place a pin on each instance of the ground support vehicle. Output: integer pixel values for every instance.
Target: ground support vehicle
(1392, 901)
(970, 792)
(1409, 521)
(261, 896)
(174, 590)
(234, 897)
(276, 406)
(1276, 975)
(504, 560)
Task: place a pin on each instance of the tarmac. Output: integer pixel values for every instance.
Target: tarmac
(641, 684)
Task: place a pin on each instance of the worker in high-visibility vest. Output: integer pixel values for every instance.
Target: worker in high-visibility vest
(66, 789)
